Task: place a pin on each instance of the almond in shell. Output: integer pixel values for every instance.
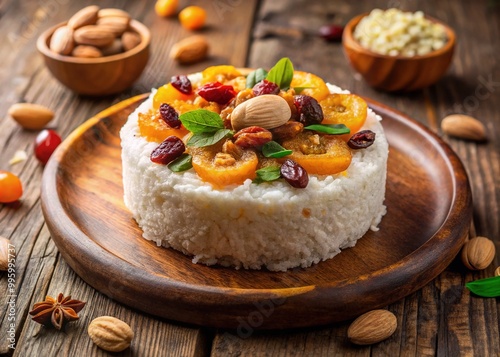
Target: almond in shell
(113, 49)
(116, 25)
(93, 35)
(111, 12)
(61, 41)
(84, 17)
(110, 334)
(372, 327)
(464, 127)
(84, 51)
(190, 50)
(31, 116)
(130, 40)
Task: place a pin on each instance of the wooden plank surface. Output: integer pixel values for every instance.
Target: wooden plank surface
(441, 319)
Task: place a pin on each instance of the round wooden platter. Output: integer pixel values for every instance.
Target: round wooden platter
(429, 208)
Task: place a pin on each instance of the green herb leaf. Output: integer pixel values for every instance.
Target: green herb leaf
(267, 174)
(489, 287)
(281, 73)
(255, 77)
(208, 138)
(274, 150)
(182, 163)
(299, 90)
(201, 121)
(332, 129)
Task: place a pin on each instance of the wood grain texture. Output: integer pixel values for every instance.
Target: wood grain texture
(441, 319)
(424, 228)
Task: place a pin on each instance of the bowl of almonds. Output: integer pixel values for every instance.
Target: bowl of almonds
(97, 51)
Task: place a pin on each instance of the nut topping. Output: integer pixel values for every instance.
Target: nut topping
(252, 137)
(266, 111)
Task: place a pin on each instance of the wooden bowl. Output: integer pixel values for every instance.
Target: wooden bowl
(397, 73)
(97, 76)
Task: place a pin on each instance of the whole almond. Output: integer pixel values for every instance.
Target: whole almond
(111, 12)
(84, 17)
(478, 253)
(113, 49)
(372, 327)
(84, 51)
(31, 116)
(190, 50)
(110, 334)
(116, 25)
(130, 40)
(93, 35)
(464, 127)
(4, 253)
(267, 111)
(61, 41)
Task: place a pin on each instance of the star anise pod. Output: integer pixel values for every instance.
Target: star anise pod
(56, 312)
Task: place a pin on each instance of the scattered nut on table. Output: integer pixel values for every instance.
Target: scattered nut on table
(372, 327)
(463, 127)
(497, 271)
(110, 334)
(190, 50)
(31, 116)
(4, 253)
(478, 253)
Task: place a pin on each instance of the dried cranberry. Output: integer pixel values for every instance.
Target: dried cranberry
(169, 150)
(170, 116)
(331, 33)
(294, 174)
(308, 109)
(217, 92)
(265, 87)
(182, 84)
(46, 143)
(362, 139)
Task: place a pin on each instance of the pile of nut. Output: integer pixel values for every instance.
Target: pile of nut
(94, 32)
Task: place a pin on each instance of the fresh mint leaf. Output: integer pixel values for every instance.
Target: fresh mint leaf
(281, 73)
(332, 129)
(208, 138)
(489, 287)
(274, 150)
(266, 174)
(201, 121)
(182, 163)
(255, 77)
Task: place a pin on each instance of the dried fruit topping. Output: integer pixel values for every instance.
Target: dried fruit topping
(289, 130)
(252, 137)
(362, 139)
(294, 174)
(265, 87)
(182, 84)
(217, 92)
(267, 111)
(309, 110)
(170, 149)
(331, 33)
(56, 312)
(348, 109)
(11, 188)
(170, 116)
(45, 144)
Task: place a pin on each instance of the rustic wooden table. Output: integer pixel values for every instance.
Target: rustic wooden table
(440, 319)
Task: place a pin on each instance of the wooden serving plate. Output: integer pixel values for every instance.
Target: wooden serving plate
(429, 208)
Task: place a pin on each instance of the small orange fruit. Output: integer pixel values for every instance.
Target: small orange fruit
(166, 8)
(11, 188)
(193, 17)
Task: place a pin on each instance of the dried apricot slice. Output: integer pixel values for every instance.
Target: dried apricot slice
(220, 74)
(167, 94)
(347, 109)
(314, 85)
(220, 172)
(154, 129)
(319, 154)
